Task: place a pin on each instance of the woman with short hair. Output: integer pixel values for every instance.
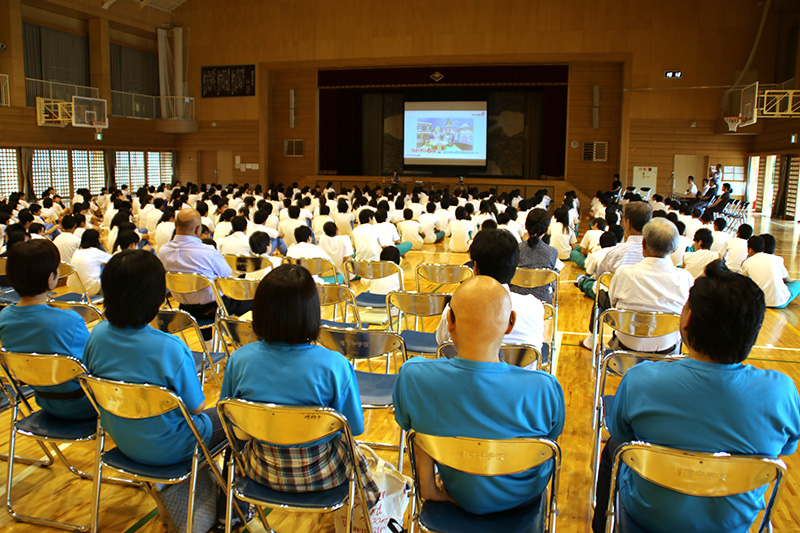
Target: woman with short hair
(88, 262)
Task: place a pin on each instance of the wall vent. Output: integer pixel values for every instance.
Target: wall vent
(595, 151)
(293, 148)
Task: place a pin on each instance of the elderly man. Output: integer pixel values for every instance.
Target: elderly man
(710, 401)
(654, 285)
(475, 395)
(187, 253)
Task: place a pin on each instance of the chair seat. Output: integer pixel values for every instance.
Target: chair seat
(367, 299)
(77, 297)
(216, 357)
(41, 424)
(248, 489)
(161, 473)
(420, 341)
(444, 517)
(9, 298)
(375, 389)
(334, 324)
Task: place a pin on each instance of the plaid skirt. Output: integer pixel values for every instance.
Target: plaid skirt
(310, 468)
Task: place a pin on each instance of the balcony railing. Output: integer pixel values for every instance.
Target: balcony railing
(56, 91)
(5, 90)
(149, 107)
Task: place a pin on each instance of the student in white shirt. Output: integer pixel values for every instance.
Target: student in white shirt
(344, 218)
(260, 219)
(769, 272)
(389, 283)
(387, 233)
(202, 208)
(445, 216)
(319, 221)
(684, 243)
(503, 223)
(562, 238)
(88, 261)
(590, 242)
(223, 226)
(238, 242)
(734, 250)
(66, 242)
(695, 262)
(694, 223)
(461, 231)
(366, 237)
(338, 247)
(513, 222)
(166, 228)
(431, 225)
(720, 235)
(288, 225)
(410, 230)
(304, 248)
(152, 218)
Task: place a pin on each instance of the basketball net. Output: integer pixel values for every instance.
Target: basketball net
(733, 122)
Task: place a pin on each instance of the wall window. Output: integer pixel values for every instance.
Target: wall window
(130, 170)
(159, 168)
(9, 172)
(51, 169)
(88, 170)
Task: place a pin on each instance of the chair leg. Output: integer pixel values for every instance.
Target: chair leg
(229, 495)
(98, 473)
(598, 441)
(192, 488)
(402, 449)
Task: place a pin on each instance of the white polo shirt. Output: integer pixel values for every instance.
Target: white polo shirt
(695, 262)
(768, 271)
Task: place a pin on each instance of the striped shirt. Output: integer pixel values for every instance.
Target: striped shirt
(628, 253)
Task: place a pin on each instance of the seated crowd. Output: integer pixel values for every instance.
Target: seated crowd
(675, 257)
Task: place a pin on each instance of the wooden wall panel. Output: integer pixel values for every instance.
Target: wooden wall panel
(589, 176)
(777, 136)
(656, 142)
(237, 136)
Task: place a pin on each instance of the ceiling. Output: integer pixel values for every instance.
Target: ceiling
(164, 5)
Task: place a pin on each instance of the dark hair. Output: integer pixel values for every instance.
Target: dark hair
(365, 216)
(324, 209)
(15, 236)
(408, 214)
(600, 223)
(30, 265)
(496, 253)
(390, 253)
(35, 228)
(91, 239)
(341, 205)
(756, 244)
(489, 223)
(769, 243)
(124, 239)
(707, 216)
(380, 216)
(227, 215)
(259, 242)
(294, 211)
(704, 237)
(618, 231)
(302, 233)
(727, 313)
(68, 222)
(561, 214)
(238, 224)
(720, 224)
(329, 228)
(297, 319)
(134, 287)
(608, 239)
(745, 231)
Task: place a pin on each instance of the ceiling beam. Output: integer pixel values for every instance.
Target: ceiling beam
(108, 3)
(144, 3)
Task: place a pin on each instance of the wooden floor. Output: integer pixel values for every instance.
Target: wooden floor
(57, 494)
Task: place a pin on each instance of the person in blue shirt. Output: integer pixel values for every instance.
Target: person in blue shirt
(475, 395)
(709, 402)
(33, 326)
(285, 368)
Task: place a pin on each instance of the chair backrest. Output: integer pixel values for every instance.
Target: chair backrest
(416, 304)
(237, 288)
(66, 270)
(280, 425)
(174, 321)
(373, 269)
(191, 283)
(520, 355)
(3, 265)
(639, 323)
(361, 343)
(699, 473)
(88, 312)
(619, 362)
(130, 400)
(244, 264)
(537, 277)
(41, 370)
(239, 332)
(444, 274)
(603, 281)
(335, 294)
(316, 265)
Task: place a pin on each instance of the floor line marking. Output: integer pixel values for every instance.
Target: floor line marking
(32, 468)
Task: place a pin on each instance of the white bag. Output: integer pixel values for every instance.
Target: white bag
(395, 495)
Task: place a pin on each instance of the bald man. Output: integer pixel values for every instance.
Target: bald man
(476, 395)
(187, 253)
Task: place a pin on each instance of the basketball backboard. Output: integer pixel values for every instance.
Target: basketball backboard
(89, 112)
(749, 105)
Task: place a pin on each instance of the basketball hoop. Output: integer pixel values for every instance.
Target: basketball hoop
(733, 122)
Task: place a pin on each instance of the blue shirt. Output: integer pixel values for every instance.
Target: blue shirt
(44, 329)
(145, 355)
(294, 374)
(705, 407)
(463, 398)
(186, 253)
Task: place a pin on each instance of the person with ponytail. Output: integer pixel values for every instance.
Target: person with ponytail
(536, 252)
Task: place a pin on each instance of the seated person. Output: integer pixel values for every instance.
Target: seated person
(585, 282)
(304, 248)
(33, 326)
(499, 402)
(536, 252)
(461, 231)
(431, 225)
(285, 367)
(770, 274)
(338, 247)
(695, 262)
(410, 230)
(238, 242)
(88, 261)
(366, 237)
(590, 242)
(495, 253)
(387, 232)
(389, 283)
(653, 285)
(707, 402)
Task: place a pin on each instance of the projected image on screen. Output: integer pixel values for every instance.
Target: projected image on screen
(445, 133)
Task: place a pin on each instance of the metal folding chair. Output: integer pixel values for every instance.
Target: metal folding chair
(43, 370)
(285, 426)
(177, 322)
(136, 402)
(374, 304)
(417, 305)
(89, 313)
(331, 294)
(442, 274)
(185, 283)
(236, 289)
(521, 355)
(486, 457)
(8, 296)
(603, 282)
(315, 265)
(616, 364)
(376, 389)
(235, 331)
(65, 270)
(246, 264)
(713, 475)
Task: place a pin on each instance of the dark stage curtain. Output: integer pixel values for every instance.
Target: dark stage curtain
(468, 75)
(340, 131)
(554, 135)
